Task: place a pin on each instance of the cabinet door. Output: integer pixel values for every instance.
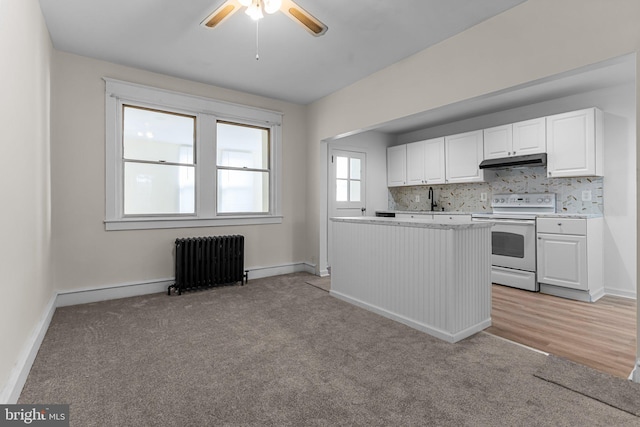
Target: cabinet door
(571, 144)
(463, 154)
(397, 166)
(529, 137)
(498, 142)
(415, 163)
(562, 260)
(434, 161)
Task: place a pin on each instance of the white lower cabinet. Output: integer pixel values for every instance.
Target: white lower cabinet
(569, 257)
(562, 260)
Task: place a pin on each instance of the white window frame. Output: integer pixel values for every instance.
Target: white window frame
(208, 112)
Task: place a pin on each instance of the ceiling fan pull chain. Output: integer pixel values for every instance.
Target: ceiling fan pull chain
(257, 45)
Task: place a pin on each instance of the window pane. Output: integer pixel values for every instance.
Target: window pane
(242, 146)
(355, 169)
(341, 190)
(342, 167)
(158, 189)
(157, 136)
(243, 191)
(354, 195)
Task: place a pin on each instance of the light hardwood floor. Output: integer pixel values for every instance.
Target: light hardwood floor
(601, 335)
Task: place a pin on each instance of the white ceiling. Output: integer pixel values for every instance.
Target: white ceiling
(165, 36)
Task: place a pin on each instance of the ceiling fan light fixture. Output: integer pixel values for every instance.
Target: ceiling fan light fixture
(272, 6)
(245, 3)
(255, 10)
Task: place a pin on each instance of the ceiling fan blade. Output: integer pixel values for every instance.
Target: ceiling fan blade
(219, 15)
(304, 18)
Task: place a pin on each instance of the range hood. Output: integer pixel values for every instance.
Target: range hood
(514, 161)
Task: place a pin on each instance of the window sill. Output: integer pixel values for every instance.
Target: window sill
(154, 223)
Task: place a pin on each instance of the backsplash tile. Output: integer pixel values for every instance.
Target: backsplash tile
(466, 197)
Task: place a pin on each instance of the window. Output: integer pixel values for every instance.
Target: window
(243, 168)
(176, 160)
(159, 164)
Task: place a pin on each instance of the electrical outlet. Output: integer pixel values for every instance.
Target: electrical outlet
(417, 198)
(586, 196)
(483, 197)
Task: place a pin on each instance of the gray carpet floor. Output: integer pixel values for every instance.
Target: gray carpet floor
(281, 352)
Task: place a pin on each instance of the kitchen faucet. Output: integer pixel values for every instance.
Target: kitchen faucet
(433, 202)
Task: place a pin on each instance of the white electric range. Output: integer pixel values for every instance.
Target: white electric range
(513, 237)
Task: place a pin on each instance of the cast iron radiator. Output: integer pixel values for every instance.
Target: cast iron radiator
(202, 262)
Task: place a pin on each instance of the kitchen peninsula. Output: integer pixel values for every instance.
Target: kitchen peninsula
(432, 276)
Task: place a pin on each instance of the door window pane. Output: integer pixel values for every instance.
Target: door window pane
(157, 136)
(341, 190)
(355, 169)
(158, 189)
(354, 194)
(342, 167)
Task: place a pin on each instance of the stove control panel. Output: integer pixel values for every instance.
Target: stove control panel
(534, 200)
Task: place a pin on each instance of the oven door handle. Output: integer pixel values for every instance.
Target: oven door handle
(508, 221)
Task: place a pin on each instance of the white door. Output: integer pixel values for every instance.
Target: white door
(347, 187)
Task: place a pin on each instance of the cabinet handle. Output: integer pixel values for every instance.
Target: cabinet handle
(559, 224)
(508, 153)
(514, 153)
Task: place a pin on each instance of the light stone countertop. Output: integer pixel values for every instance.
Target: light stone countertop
(569, 215)
(431, 212)
(412, 222)
(541, 215)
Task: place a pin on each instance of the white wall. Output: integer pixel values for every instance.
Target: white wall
(25, 226)
(85, 255)
(619, 106)
(532, 41)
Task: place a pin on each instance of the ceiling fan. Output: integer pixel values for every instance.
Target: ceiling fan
(256, 7)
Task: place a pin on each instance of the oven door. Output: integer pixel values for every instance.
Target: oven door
(513, 244)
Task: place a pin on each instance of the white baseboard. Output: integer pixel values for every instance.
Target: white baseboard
(623, 293)
(276, 270)
(124, 290)
(18, 376)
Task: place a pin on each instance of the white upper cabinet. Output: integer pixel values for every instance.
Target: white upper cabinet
(529, 137)
(425, 162)
(517, 139)
(498, 142)
(463, 154)
(397, 166)
(434, 163)
(415, 163)
(574, 144)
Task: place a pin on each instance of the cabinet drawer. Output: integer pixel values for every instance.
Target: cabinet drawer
(562, 226)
